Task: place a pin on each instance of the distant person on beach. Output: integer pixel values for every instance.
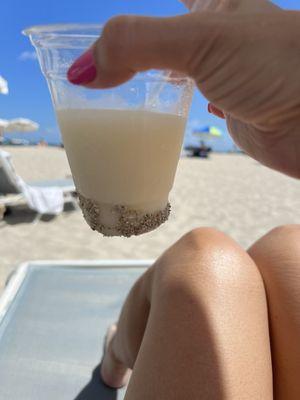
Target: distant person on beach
(43, 143)
(204, 150)
(210, 320)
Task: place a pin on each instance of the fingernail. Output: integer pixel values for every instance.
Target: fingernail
(209, 108)
(83, 70)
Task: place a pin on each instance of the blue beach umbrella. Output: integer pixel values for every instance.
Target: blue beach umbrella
(208, 132)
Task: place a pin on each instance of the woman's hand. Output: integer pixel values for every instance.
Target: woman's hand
(246, 64)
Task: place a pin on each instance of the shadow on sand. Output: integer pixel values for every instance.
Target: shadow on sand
(22, 215)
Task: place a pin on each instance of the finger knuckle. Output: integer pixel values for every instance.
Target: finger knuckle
(115, 36)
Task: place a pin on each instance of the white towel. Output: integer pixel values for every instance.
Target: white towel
(43, 200)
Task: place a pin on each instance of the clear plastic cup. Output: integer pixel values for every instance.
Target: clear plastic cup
(123, 144)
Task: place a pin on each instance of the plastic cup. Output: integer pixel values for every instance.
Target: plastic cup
(123, 144)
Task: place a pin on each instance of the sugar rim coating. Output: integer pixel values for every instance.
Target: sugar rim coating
(129, 222)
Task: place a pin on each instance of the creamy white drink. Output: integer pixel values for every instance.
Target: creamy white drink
(123, 163)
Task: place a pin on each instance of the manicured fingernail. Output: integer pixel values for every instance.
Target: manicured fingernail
(83, 70)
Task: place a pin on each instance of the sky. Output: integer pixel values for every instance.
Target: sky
(29, 96)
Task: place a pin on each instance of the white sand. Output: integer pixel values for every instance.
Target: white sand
(230, 192)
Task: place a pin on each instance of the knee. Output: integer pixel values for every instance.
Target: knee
(284, 232)
(205, 257)
(280, 243)
(278, 252)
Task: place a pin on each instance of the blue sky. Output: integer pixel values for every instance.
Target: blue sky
(29, 95)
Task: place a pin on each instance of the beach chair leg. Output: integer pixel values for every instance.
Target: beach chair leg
(73, 200)
(37, 218)
(2, 211)
(75, 204)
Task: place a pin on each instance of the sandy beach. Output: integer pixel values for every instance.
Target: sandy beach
(230, 192)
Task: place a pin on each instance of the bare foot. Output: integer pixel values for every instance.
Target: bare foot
(113, 373)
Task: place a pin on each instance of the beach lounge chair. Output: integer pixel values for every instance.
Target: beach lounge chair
(53, 318)
(47, 197)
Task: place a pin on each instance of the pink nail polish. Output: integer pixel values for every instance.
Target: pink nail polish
(83, 70)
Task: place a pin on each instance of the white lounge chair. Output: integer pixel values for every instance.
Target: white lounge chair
(46, 197)
(53, 318)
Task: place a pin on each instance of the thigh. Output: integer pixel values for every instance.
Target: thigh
(207, 333)
(277, 256)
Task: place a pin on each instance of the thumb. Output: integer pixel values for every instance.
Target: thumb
(130, 44)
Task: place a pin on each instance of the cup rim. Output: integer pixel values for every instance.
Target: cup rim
(65, 30)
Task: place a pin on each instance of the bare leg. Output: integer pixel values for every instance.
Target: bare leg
(277, 255)
(195, 325)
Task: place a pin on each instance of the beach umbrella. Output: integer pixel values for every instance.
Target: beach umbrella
(208, 132)
(21, 125)
(17, 125)
(3, 86)
(3, 125)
